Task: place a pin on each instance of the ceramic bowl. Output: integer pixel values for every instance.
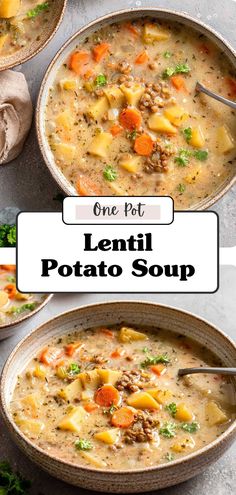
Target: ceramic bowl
(129, 312)
(29, 51)
(63, 55)
(8, 329)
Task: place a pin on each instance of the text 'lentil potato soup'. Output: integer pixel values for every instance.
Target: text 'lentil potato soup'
(110, 398)
(123, 116)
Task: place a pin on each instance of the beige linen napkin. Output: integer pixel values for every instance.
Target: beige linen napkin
(15, 114)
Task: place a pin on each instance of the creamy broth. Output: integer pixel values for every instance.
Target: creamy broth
(111, 398)
(14, 304)
(123, 116)
(21, 23)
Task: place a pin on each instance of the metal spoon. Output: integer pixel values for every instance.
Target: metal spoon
(200, 88)
(215, 371)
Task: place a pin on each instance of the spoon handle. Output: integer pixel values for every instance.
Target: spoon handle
(215, 371)
(202, 89)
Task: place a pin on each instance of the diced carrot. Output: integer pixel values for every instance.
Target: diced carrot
(8, 268)
(11, 290)
(232, 85)
(130, 119)
(107, 332)
(142, 58)
(117, 353)
(144, 145)
(107, 396)
(86, 187)
(132, 28)
(158, 369)
(71, 349)
(123, 417)
(89, 73)
(203, 48)
(78, 62)
(50, 356)
(100, 51)
(115, 130)
(178, 82)
(90, 407)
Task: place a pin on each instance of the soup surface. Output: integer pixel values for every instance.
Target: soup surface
(123, 116)
(14, 304)
(110, 398)
(21, 23)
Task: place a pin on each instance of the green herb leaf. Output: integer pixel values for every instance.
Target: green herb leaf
(172, 409)
(21, 309)
(11, 279)
(152, 360)
(110, 173)
(168, 430)
(181, 188)
(183, 158)
(132, 135)
(7, 235)
(100, 80)
(83, 444)
(179, 69)
(167, 54)
(145, 350)
(187, 134)
(169, 456)
(10, 483)
(201, 155)
(170, 71)
(38, 9)
(190, 427)
(74, 369)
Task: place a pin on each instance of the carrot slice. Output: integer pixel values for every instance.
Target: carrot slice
(144, 145)
(123, 417)
(142, 58)
(107, 396)
(88, 74)
(71, 349)
(158, 369)
(115, 130)
(117, 353)
(130, 119)
(90, 407)
(78, 62)
(8, 268)
(50, 356)
(179, 83)
(100, 51)
(132, 29)
(232, 85)
(11, 290)
(107, 332)
(86, 187)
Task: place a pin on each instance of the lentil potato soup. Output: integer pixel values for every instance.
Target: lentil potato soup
(123, 116)
(110, 397)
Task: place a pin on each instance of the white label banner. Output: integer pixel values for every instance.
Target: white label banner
(55, 257)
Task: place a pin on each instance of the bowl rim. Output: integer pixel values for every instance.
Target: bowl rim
(13, 324)
(12, 427)
(60, 178)
(26, 58)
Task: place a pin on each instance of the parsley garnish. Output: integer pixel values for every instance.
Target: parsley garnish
(183, 158)
(110, 173)
(201, 155)
(188, 134)
(21, 309)
(11, 279)
(152, 360)
(179, 69)
(83, 444)
(167, 54)
(172, 409)
(190, 427)
(170, 456)
(38, 9)
(7, 235)
(74, 369)
(100, 80)
(10, 483)
(132, 135)
(181, 188)
(145, 350)
(168, 430)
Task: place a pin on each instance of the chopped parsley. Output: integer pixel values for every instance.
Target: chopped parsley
(145, 350)
(181, 188)
(183, 158)
(167, 54)
(110, 173)
(179, 69)
(83, 444)
(172, 409)
(169, 456)
(11, 279)
(74, 369)
(190, 427)
(7, 235)
(187, 134)
(11, 483)
(21, 309)
(168, 430)
(100, 80)
(152, 360)
(201, 155)
(112, 409)
(37, 10)
(132, 135)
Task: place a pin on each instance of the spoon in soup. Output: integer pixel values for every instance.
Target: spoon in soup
(215, 371)
(202, 89)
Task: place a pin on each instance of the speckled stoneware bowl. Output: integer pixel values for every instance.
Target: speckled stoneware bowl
(63, 55)
(8, 329)
(129, 312)
(32, 49)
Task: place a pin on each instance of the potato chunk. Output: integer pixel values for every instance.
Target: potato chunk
(224, 140)
(159, 123)
(183, 445)
(214, 415)
(142, 400)
(131, 164)
(133, 93)
(94, 460)
(175, 114)
(64, 152)
(152, 33)
(71, 391)
(3, 299)
(115, 96)
(192, 177)
(197, 140)
(162, 396)
(65, 120)
(90, 380)
(97, 109)
(31, 404)
(183, 413)
(31, 427)
(100, 144)
(68, 84)
(109, 376)
(73, 420)
(109, 437)
(40, 372)
(9, 8)
(3, 40)
(127, 334)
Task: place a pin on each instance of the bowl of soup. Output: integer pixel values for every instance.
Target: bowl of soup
(15, 306)
(97, 401)
(26, 26)
(118, 112)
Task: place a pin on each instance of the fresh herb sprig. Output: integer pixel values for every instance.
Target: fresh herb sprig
(73, 370)
(7, 235)
(178, 69)
(168, 430)
(110, 174)
(172, 409)
(25, 307)
(100, 80)
(190, 427)
(32, 13)
(12, 483)
(83, 444)
(152, 360)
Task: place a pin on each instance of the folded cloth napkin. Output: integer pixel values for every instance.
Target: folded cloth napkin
(16, 113)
